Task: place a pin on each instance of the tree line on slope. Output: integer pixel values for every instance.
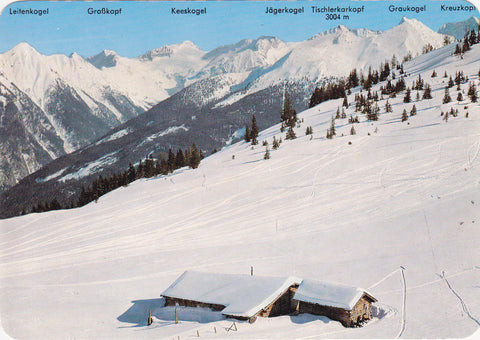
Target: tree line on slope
(471, 38)
(147, 168)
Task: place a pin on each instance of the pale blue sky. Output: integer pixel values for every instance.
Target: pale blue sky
(147, 25)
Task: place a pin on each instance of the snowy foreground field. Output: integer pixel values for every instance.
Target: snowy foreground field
(405, 196)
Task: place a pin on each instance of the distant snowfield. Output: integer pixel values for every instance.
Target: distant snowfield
(89, 169)
(404, 196)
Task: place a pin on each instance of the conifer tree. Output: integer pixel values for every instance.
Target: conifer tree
(195, 158)
(344, 115)
(288, 118)
(388, 107)
(407, 98)
(352, 130)
(247, 134)
(434, 74)
(332, 127)
(179, 159)
(276, 143)
(267, 153)
(446, 97)
(404, 115)
(254, 131)
(472, 39)
(131, 173)
(427, 93)
(352, 80)
(458, 50)
(472, 92)
(286, 112)
(459, 97)
(171, 160)
(394, 61)
(163, 167)
(413, 111)
(466, 45)
(345, 100)
(149, 167)
(140, 170)
(290, 133)
(450, 82)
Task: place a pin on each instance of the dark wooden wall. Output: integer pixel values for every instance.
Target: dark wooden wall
(171, 301)
(333, 313)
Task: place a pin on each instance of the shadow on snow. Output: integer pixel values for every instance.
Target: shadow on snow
(163, 315)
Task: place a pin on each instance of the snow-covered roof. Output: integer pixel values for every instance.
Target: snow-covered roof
(243, 295)
(329, 294)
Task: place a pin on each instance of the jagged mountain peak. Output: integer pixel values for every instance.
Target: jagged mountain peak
(76, 56)
(412, 24)
(23, 48)
(106, 58)
(342, 30)
(458, 29)
(406, 20)
(187, 47)
(260, 44)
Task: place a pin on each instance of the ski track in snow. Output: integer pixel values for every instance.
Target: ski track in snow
(404, 304)
(464, 305)
(472, 156)
(383, 279)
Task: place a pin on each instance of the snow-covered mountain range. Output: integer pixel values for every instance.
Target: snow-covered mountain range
(392, 208)
(81, 99)
(459, 29)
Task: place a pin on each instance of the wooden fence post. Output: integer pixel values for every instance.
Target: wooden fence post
(150, 319)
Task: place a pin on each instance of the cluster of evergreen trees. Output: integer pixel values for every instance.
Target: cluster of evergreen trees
(341, 87)
(471, 38)
(330, 91)
(145, 169)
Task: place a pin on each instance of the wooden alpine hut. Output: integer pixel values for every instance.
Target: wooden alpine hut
(242, 297)
(349, 305)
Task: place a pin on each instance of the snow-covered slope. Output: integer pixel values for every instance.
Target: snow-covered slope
(393, 209)
(458, 29)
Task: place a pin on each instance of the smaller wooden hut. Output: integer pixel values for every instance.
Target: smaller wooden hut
(350, 305)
